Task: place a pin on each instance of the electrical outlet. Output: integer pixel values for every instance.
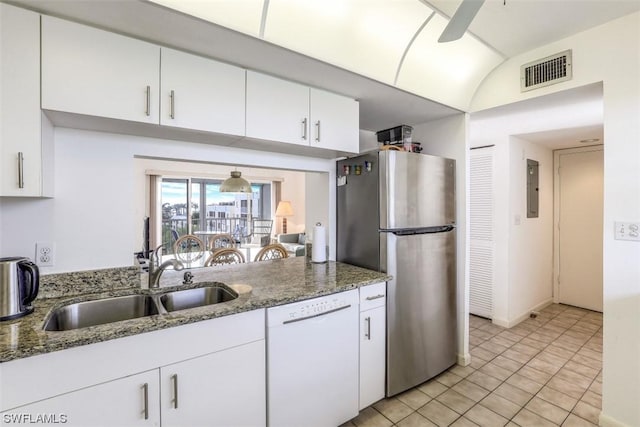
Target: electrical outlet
(45, 254)
(627, 231)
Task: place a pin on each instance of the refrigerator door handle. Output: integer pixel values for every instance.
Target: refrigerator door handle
(423, 230)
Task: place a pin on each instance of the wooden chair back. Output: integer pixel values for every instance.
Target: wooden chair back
(274, 251)
(221, 241)
(188, 248)
(225, 256)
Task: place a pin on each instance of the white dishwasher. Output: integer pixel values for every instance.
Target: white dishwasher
(312, 361)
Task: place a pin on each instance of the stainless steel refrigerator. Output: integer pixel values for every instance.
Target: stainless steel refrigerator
(396, 214)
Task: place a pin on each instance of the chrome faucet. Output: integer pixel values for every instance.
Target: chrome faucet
(155, 270)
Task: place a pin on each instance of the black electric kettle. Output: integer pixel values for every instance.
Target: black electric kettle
(19, 282)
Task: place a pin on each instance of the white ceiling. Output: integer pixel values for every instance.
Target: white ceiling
(413, 96)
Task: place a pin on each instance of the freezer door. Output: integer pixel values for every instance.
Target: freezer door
(421, 307)
(416, 190)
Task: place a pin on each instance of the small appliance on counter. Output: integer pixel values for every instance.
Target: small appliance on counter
(19, 283)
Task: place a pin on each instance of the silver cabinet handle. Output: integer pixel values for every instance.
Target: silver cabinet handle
(20, 170)
(375, 297)
(174, 378)
(147, 109)
(304, 128)
(145, 393)
(172, 112)
(318, 131)
(367, 334)
(316, 315)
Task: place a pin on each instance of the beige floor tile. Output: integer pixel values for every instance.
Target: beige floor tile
(522, 329)
(525, 349)
(494, 329)
(500, 405)
(547, 410)
(477, 322)
(439, 414)
(590, 345)
(566, 387)
(541, 365)
(463, 422)
(562, 400)
(506, 363)
(415, 420)
(596, 387)
(501, 341)
(348, 424)
(539, 345)
(581, 369)
(586, 411)
(592, 399)
(369, 417)
(475, 341)
(591, 354)
(556, 350)
(526, 418)
(483, 354)
(524, 383)
(479, 333)
(454, 400)
(493, 348)
(534, 374)
(495, 371)
(552, 359)
(514, 394)
(433, 388)
(575, 421)
(485, 417)
(517, 356)
(414, 398)
(448, 379)
(477, 363)
(470, 390)
(574, 378)
(567, 343)
(541, 337)
(463, 371)
(485, 381)
(587, 361)
(393, 409)
(510, 335)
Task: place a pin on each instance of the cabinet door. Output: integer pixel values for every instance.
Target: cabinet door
(20, 136)
(277, 110)
(201, 94)
(94, 72)
(226, 388)
(130, 401)
(334, 121)
(372, 355)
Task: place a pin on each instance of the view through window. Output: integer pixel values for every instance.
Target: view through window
(196, 206)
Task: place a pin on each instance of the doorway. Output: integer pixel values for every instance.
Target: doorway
(578, 219)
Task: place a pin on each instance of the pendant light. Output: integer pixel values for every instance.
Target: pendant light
(235, 184)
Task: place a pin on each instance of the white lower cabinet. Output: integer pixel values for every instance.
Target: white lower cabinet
(372, 343)
(130, 401)
(220, 389)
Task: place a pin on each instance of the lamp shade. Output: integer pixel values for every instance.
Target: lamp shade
(235, 184)
(284, 209)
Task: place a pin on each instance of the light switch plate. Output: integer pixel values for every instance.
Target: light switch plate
(627, 231)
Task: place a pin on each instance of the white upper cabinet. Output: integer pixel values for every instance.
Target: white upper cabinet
(98, 73)
(201, 94)
(277, 110)
(334, 121)
(24, 149)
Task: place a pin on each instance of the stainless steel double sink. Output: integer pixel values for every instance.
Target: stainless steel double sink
(114, 309)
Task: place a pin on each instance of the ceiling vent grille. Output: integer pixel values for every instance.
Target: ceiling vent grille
(546, 71)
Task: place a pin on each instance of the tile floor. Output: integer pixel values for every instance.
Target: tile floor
(543, 372)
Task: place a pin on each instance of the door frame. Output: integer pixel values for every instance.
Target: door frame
(556, 210)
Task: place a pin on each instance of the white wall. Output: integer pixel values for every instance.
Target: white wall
(530, 264)
(95, 217)
(448, 138)
(610, 54)
(317, 211)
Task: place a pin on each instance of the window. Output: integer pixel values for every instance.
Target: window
(192, 205)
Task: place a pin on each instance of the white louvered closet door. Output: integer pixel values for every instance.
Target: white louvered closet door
(481, 257)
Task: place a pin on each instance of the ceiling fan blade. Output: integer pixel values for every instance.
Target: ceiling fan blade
(460, 20)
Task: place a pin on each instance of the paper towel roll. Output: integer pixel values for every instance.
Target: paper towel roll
(318, 249)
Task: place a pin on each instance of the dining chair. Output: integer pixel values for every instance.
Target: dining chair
(273, 251)
(188, 248)
(225, 256)
(221, 241)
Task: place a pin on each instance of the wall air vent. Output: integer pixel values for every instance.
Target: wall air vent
(546, 71)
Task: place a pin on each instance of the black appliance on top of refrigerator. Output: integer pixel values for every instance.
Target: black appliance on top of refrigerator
(396, 214)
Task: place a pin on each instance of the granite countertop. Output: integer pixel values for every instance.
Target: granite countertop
(273, 283)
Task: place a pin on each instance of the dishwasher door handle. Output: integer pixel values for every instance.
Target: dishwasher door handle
(316, 315)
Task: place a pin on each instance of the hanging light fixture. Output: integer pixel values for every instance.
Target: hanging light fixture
(235, 184)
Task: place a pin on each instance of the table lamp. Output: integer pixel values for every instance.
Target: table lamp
(283, 211)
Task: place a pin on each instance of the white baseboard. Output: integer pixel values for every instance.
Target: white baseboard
(607, 421)
(505, 323)
(464, 359)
